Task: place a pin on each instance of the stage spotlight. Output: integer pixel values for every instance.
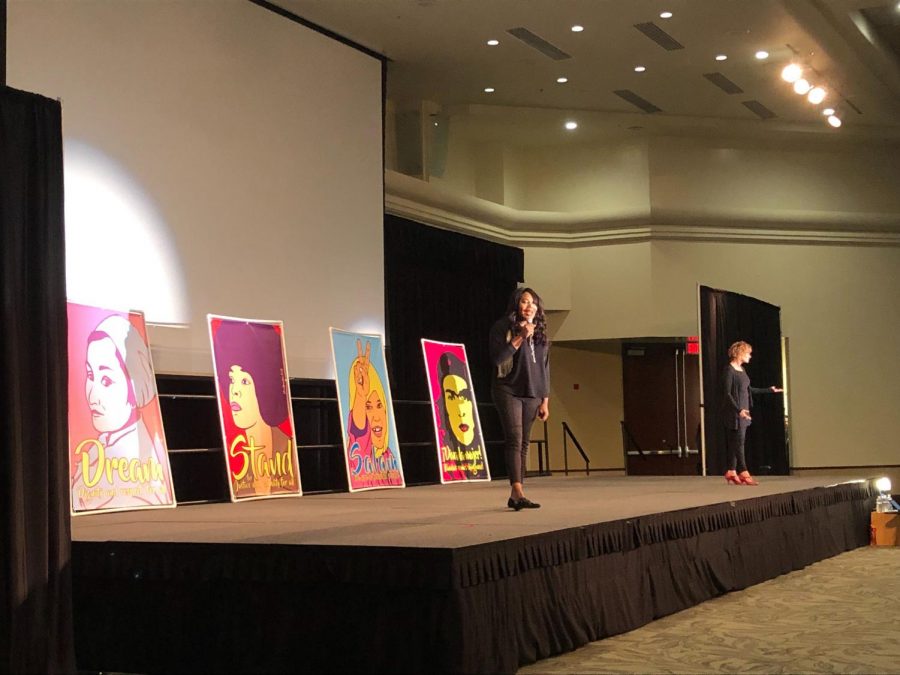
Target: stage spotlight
(883, 503)
(828, 112)
(834, 121)
(801, 86)
(791, 73)
(816, 95)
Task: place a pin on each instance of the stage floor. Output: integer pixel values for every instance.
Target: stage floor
(434, 516)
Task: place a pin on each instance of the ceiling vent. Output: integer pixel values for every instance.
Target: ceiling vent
(723, 83)
(758, 109)
(659, 36)
(636, 100)
(539, 43)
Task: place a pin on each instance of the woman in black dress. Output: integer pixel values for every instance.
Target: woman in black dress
(737, 402)
(520, 386)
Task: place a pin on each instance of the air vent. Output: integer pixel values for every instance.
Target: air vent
(539, 43)
(636, 100)
(723, 83)
(758, 109)
(659, 36)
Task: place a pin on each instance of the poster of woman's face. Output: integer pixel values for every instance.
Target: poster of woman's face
(371, 449)
(118, 458)
(255, 407)
(457, 429)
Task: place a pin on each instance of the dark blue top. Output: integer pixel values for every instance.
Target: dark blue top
(528, 375)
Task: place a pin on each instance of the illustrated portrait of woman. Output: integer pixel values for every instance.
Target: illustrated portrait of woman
(125, 466)
(367, 427)
(250, 374)
(460, 430)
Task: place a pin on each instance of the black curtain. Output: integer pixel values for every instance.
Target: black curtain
(725, 318)
(449, 287)
(35, 537)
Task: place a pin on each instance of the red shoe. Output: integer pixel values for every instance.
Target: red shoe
(744, 478)
(732, 477)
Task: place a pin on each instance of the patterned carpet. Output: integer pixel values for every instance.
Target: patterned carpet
(836, 616)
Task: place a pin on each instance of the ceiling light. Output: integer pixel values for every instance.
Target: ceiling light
(762, 54)
(828, 112)
(834, 121)
(577, 29)
(493, 43)
(801, 86)
(665, 15)
(791, 73)
(571, 126)
(721, 57)
(639, 69)
(562, 80)
(488, 90)
(816, 95)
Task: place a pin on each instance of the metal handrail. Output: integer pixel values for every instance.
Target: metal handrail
(543, 448)
(587, 462)
(628, 439)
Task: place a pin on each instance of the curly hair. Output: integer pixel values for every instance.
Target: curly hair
(540, 321)
(738, 348)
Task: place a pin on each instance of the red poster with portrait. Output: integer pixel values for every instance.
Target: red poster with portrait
(118, 459)
(457, 428)
(255, 407)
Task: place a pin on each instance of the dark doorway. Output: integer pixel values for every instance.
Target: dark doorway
(661, 402)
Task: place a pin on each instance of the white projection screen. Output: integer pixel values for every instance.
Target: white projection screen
(218, 158)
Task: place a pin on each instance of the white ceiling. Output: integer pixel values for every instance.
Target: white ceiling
(437, 52)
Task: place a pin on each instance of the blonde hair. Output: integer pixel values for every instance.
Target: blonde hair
(738, 348)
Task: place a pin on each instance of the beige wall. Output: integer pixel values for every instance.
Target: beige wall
(839, 307)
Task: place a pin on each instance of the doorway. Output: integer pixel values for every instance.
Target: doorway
(661, 406)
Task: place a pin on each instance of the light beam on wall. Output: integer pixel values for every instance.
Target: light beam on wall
(119, 250)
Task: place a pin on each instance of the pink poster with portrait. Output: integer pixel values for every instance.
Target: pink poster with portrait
(118, 459)
(254, 397)
(457, 429)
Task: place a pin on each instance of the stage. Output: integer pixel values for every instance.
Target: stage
(437, 578)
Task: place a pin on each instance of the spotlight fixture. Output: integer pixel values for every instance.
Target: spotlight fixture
(762, 54)
(801, 86)
(488, 90)
(577, 29)
(816, 95)
(828, 112)
(493, 43)
(571, 126)
(639, 69)
(665, 15)
(834, 121)
(562, 80)
(791, 73)
(721, 57)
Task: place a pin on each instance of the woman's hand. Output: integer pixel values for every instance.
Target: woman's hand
(744, 414)
(776, 390)
(544, 410)
(526, 330)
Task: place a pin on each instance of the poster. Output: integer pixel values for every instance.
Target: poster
(254, 398)
(371, 449)
(457, 429)
(118, 459)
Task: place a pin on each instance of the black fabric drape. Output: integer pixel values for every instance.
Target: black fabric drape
(725, 318)
(35, 537)
(450, 287)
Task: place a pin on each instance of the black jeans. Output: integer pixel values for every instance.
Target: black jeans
(734, 441)
(517, 414)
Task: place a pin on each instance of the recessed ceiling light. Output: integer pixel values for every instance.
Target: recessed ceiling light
(665, 15)
(577, 29)
(571, 126)
(791, 73)
(762, 54)
(640, 69)
(493, 43)
(721, 57)
(834, 121)
(801, 86)
(828, 112)
(816, 95)
(488, 90)
(562, 80)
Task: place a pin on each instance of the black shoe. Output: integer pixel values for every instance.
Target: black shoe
(523, 503)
